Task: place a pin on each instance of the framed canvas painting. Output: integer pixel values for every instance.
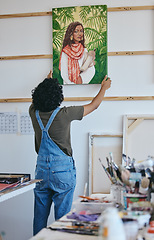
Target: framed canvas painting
(79, 44)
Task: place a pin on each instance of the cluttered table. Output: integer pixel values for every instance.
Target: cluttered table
(74, 225)
(85, 222)
(127, 213)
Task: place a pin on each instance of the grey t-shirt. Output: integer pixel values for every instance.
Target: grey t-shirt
(59, 130)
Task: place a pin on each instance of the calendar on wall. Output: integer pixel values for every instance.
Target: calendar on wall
(12, 123)
(25, 124)
(8, 123)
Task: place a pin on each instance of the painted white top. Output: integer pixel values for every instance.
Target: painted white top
(86, 76)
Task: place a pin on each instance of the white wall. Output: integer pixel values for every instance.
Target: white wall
(131, 76)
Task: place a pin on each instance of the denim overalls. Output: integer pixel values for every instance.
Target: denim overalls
(59, 179)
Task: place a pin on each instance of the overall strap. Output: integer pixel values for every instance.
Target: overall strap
(52, 118)
(49, 121)
(39, 120)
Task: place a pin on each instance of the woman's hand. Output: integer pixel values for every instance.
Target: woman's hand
(79, 80)
(106, 83)
(50, 74)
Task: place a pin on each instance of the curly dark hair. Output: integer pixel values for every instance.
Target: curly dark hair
(48, 95)
(70, 30)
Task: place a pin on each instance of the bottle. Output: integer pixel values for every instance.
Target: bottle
(151, 187)
(111, 225)
(124, 197)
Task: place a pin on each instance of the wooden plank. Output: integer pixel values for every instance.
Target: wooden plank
(125, 138)
(145, 116)
(12, 100)
(134, 98)
(150, 52)
(133, 125)
(106, 135)
(24, 57)
(92, 166)
(49, 13)
(33, 14)
(50, 56)
(122, 98)
(130, 8)
(78, 99)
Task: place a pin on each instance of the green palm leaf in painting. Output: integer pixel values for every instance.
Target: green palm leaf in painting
(95, 18)
(58, 37)
(63, 15)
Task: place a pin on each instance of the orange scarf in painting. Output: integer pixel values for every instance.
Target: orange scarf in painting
(74, 53)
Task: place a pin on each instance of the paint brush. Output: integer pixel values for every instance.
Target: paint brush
(111, 157)
(85, 189)
(89, 198)
(109, 167)
(112, 163)
(84, 193)
(109, 176)
(144, 186)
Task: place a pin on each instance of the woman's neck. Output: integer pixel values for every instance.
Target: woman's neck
(76, 42)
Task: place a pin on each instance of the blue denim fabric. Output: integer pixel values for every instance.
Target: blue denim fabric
(58, 174)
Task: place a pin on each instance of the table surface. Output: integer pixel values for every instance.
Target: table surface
(47, 234)
(24, 187)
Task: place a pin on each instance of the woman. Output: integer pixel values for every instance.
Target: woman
(73, 56)
(55, 163)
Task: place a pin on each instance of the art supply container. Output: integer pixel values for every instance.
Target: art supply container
(115, 191)
(91, 207)
(131, 229)
(149, 233)
(111, 226)
(152, 198)
(131, 198)
(124, 197)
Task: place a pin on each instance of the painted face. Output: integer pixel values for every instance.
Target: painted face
(78, 34)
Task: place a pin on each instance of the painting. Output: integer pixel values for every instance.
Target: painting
(79, 37)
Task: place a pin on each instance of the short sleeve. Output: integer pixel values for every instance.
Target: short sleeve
(74, 112)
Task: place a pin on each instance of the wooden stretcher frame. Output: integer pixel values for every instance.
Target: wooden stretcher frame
(130, 122)
(92, 136)
(49, 56)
